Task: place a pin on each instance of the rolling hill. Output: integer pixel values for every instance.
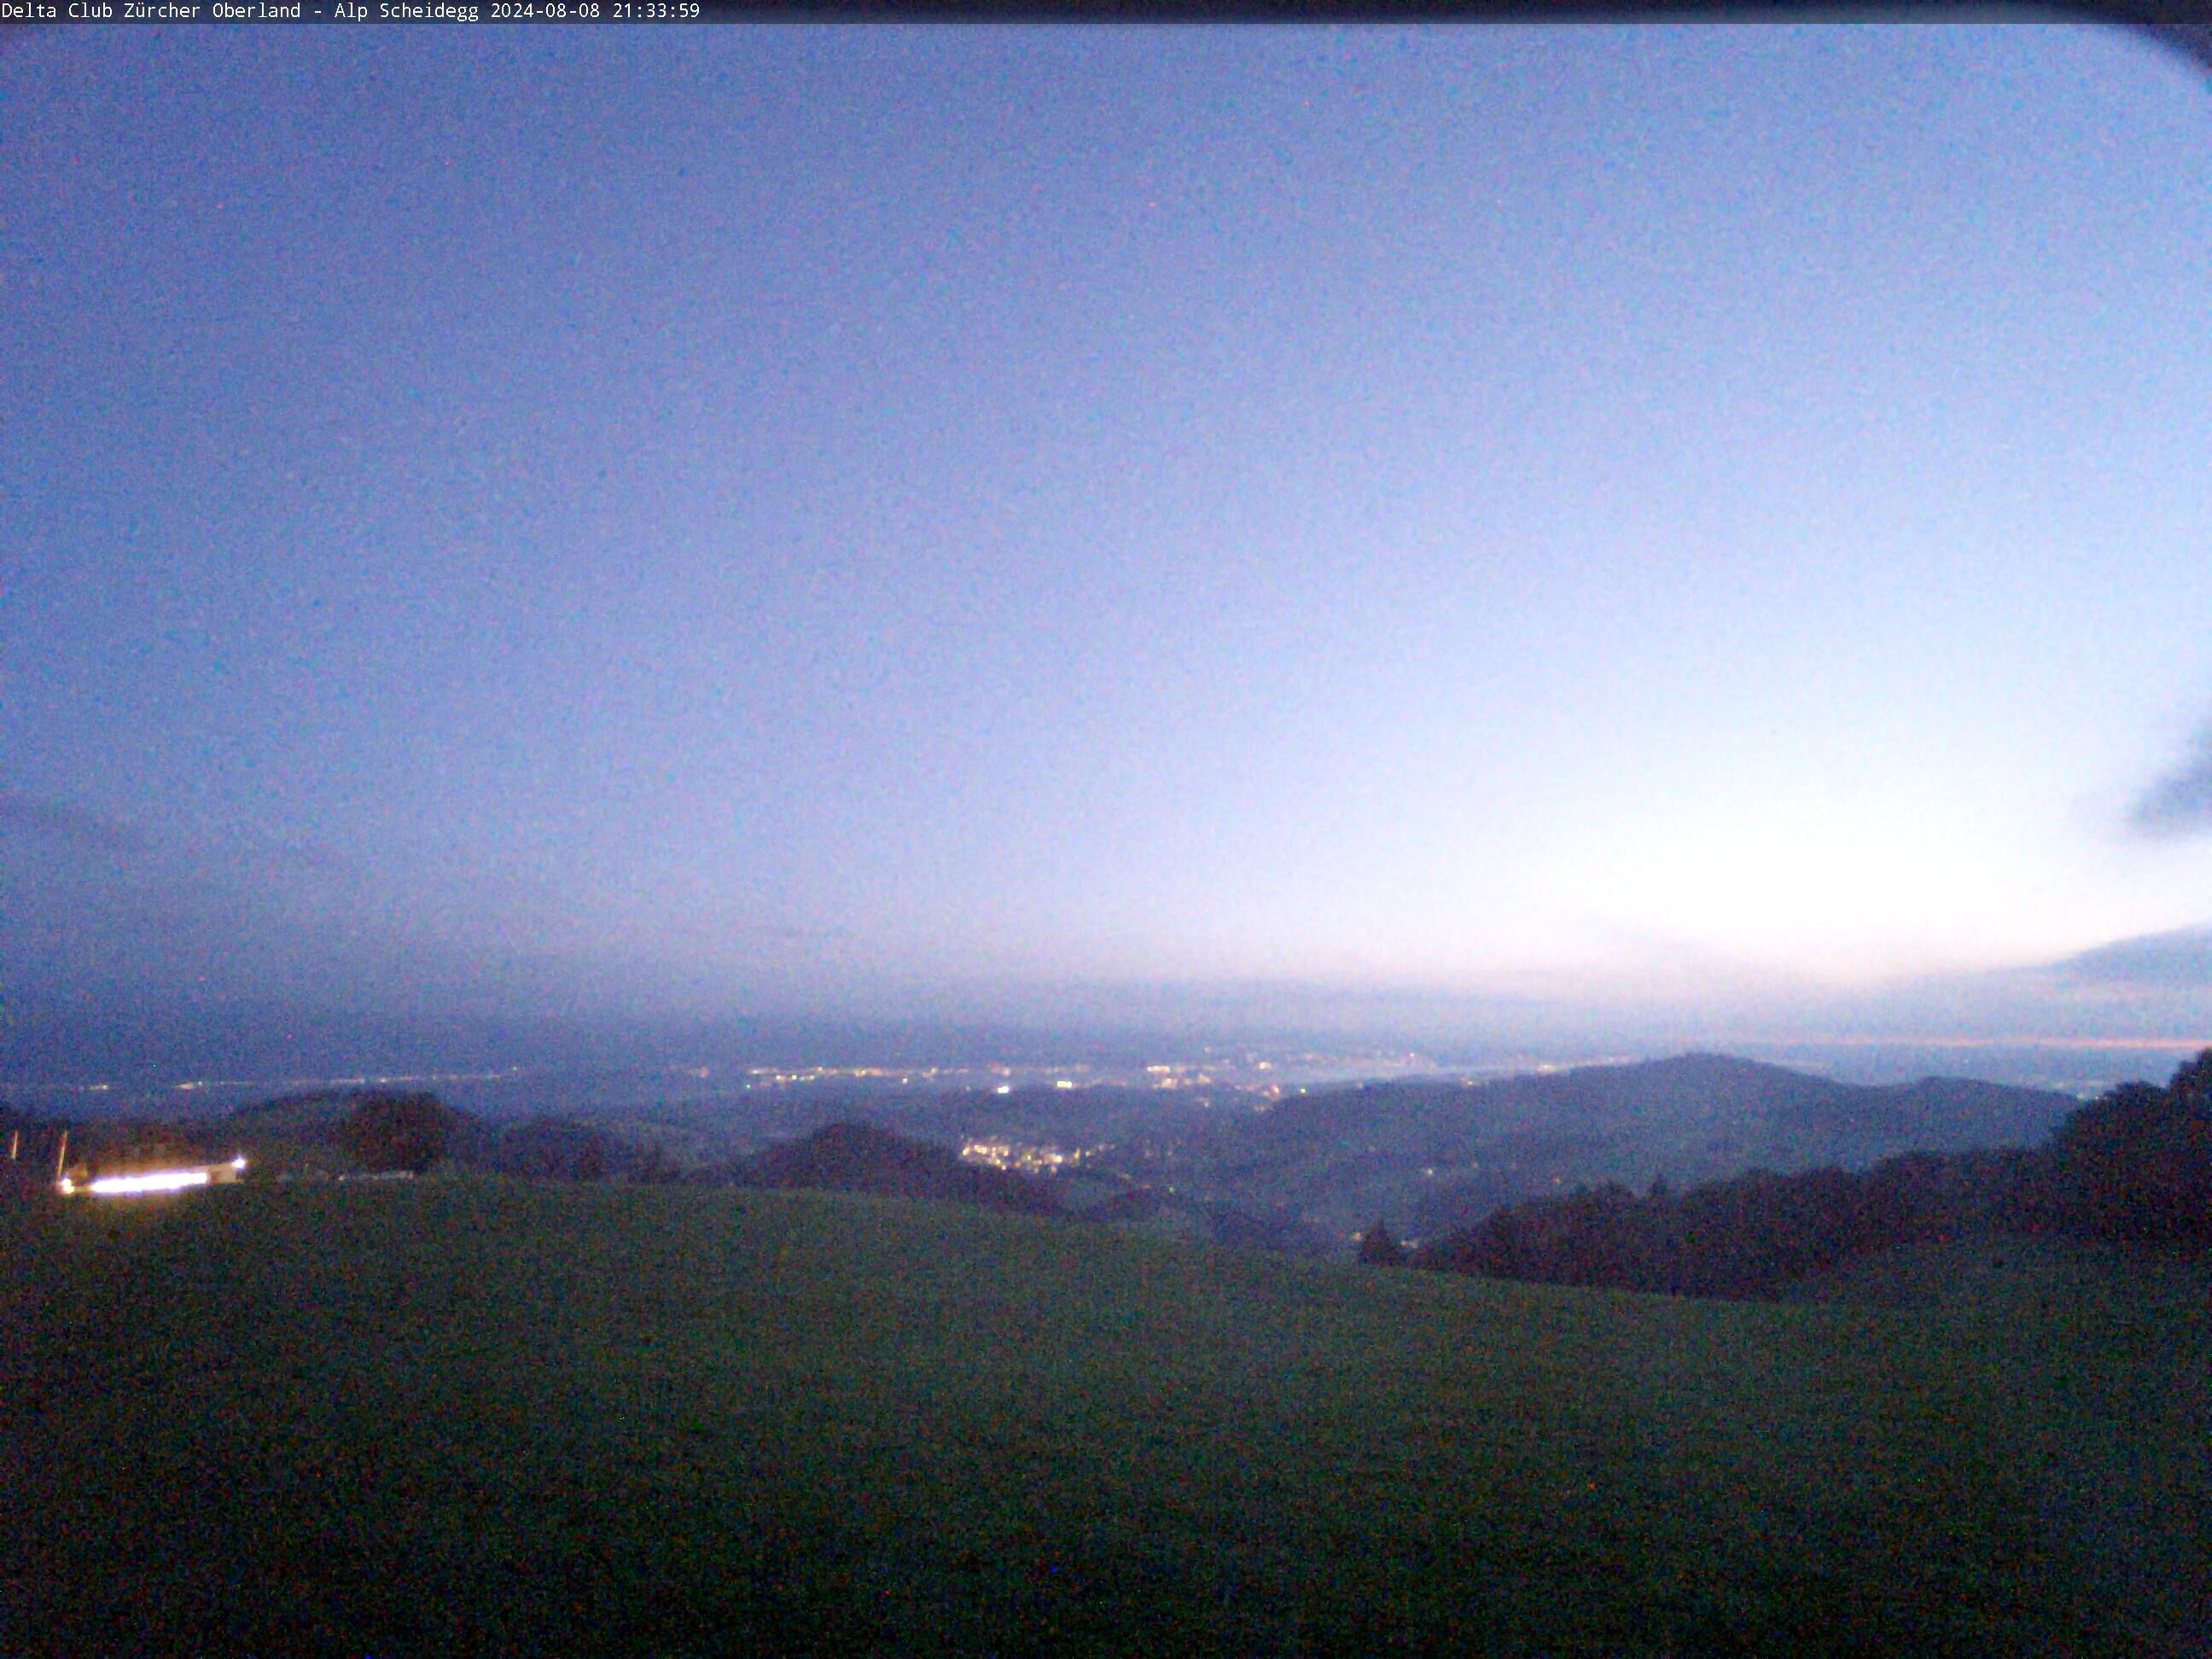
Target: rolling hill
(492, 1418)
(863, 1157)
(1434, 1157)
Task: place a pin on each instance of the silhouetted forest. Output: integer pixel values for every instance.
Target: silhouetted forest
(2134, 1165)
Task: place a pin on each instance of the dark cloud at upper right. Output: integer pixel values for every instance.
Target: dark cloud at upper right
(2180, 803)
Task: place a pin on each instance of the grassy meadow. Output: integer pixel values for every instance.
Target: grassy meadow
(475, 1417)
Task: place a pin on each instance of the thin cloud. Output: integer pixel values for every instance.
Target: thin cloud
(245, 853)
(2180, 803)
(57, 821)
(2182, 958)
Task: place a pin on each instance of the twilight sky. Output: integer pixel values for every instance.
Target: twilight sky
(1027, 522)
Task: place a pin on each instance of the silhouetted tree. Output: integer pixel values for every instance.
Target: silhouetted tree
(146, 1144)
(1379, 1250)
(552, 1149)
(2191, 1087)
(2136, 1162)
(387, 1132)
(654, 1165)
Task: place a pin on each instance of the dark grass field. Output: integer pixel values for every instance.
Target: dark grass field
(463, 1418)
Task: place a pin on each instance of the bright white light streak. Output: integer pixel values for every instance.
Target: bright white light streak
(161, 1181)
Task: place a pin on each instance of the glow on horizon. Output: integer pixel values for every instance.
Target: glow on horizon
(2070, 1044)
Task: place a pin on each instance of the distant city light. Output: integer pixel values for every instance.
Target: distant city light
(1034, 1160)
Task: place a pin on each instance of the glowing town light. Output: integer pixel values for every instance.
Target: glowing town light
(160, 1181)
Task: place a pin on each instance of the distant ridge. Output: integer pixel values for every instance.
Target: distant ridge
(1434, 1156)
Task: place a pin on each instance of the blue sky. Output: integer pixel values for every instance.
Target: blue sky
(984, 522)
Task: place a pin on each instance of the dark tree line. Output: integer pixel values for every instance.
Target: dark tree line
(396, 1132)
(378, 1131)
(863, 1159)
(2134, 1165)
(545, 1148)
(1379, 1250)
